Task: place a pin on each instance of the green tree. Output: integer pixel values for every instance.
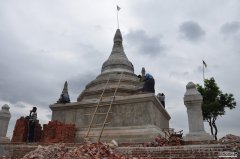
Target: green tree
(214, 103)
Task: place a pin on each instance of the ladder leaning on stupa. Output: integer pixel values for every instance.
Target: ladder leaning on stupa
(91, 125)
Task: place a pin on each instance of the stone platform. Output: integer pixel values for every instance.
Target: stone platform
(133, 118)
(128, 134)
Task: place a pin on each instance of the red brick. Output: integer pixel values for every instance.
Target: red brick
(55, 132)
(20, 132)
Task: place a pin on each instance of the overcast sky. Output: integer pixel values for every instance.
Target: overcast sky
(44, 43)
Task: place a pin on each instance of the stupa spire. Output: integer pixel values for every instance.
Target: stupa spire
(117, 61)
(64, 97)
(117, 37)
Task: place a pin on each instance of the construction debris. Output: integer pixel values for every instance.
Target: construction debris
(161, 141)
(85, 151)
(93, 151)
(113, 144)
(47, 152)
(232, 141)
(230, 138)
(58, 132)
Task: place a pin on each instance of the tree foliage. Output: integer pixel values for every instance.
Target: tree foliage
(214, 103)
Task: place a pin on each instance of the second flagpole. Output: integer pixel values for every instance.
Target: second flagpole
(203, 76)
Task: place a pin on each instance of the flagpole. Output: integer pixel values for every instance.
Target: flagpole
(203, 75)
(117, 20)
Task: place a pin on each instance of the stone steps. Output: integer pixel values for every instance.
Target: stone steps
(167, 152)
(171, 152)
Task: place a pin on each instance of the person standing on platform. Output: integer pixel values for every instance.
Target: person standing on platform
(32, 124)
(149, 84)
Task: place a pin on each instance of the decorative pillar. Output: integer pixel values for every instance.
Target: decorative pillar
(4, 121)
(193, 101)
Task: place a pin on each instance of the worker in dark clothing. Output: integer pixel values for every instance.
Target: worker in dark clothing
(149, 84)
(161, 98)
(64, 98)
(32, 124)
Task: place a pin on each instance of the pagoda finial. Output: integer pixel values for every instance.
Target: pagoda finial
(118, 36)
(117, 61)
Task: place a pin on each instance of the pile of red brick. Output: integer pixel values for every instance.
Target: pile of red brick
(161, 141)
(55, 132)
(93, 151)
(20, 132)
(47, 152)
(230, 138)
(85, 151)
(232, 141)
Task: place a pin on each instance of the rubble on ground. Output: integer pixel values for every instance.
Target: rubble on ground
(161, 141)
(47, 152)
(93, 151)
(230, 138)
(85, 151)
(232, 141)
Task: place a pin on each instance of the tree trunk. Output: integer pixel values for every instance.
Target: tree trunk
(215, 127)
(210, 124)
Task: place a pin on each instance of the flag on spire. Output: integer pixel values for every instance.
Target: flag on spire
(204, 63)
(118, 8)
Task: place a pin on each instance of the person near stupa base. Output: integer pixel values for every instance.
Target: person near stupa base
(32, 124)
(64, 98)
(149, 84)
(161, 98)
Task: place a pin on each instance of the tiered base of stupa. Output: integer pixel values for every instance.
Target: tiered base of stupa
(127, 134)
(133, 119)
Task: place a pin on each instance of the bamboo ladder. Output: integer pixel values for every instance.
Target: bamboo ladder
(91, 125)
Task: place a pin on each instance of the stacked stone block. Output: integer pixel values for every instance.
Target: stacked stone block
(20, 130)
(38, 132)
(55, 132)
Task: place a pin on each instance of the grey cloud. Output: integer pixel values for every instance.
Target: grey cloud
(20, 105)
(77, 84)
(177, 123)
(49, 116)
(89, 51)
(230, 28)
(27, 76)
(35, 77)
(23, 81)
(231, 32)
(178, 74)
(199, 69)
(144, 44)
(98, 28)
(191, 31)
